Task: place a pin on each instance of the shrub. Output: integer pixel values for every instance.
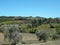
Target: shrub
(55, 36)
(11, 33)
(45, 35)
(41, 35)
(58, 31)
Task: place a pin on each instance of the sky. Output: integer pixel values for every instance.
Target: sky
(42, 8)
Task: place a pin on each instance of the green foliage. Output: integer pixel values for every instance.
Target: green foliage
(58, 30)
(42, 35)
(55, 36)
(47, 35)
(0, 30)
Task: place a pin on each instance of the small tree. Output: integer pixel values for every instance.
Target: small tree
(11, 33)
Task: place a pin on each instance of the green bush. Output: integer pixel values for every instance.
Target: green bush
(55, 36)
(58, 30)
(47, 35)
(42, 35)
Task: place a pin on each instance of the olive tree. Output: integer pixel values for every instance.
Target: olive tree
(11, 33)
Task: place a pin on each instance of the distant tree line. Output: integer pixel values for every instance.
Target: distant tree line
(32, 19)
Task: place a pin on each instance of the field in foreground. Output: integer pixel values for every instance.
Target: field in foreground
(25, 37)
(28, 37)
(47, 43)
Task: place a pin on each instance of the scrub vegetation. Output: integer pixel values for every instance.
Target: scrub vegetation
(40, 28)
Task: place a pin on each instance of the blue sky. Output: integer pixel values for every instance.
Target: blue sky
(42, 8)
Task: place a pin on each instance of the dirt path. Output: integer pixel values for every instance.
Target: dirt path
(47, 43)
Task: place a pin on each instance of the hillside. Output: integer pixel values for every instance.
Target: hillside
(29, 27)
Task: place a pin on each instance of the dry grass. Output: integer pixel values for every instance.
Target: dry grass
(25, 37)
(29, 37)
(1, 38)
(47, 43)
